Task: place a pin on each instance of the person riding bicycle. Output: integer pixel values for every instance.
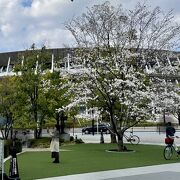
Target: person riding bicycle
(170, 133)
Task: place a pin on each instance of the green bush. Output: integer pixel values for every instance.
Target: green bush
(8, 144)
(146, 124)
(79, 141)
(61, 140)
(71, 138)
(18, 146)
(43, 142)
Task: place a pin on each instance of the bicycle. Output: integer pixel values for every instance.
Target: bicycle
(133, 139)
(169, 148)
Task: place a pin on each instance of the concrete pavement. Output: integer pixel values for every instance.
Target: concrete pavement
(164, 172)
(147, 135)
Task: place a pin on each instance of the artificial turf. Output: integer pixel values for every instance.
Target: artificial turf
(83, 158)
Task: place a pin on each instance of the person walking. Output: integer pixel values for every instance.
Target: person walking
(54, 145)
(170, 133)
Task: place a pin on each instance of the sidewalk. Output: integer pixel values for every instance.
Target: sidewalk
(164, 172)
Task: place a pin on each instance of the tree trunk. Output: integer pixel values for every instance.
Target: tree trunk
(120, 143)
(164, 116)
(113, 138)
(37, 132)
(179, 117)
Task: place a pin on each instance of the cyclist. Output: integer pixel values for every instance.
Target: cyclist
(170, 133)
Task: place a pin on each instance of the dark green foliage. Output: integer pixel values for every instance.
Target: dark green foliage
(79, 141)
(18, 146)
(39, 91)
(7, 100)
(40, 143)
(71, 138)
(8, 144)
(43, 142)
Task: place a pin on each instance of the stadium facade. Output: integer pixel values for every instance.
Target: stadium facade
(62, 59)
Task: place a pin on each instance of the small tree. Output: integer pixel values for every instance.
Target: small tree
(40, 91)
(56, 94)
(7, 100)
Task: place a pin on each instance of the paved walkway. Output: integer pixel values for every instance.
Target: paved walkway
(158, 172)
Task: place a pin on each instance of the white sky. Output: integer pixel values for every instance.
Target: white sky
(23, 22)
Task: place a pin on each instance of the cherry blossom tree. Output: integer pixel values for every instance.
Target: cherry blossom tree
(114, 45)
(165, 91)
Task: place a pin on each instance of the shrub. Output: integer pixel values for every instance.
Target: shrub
(61, 140)
(71, 138)
(79, 141)
(43, 142)
(18, 146)
(8, 144)
(146, 124)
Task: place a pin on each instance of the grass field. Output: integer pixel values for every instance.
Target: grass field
(83, 158)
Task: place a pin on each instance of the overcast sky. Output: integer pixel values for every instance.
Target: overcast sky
(23, 22)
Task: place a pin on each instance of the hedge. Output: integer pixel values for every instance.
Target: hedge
(8, 144)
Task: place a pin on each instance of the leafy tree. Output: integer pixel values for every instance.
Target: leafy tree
(115, 45)
(40, 91)
(56, 94)
(7, 100)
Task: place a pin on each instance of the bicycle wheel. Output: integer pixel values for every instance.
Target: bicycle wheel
(134, 139)
(168, 152)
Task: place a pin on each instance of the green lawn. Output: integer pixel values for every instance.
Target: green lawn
(85, 158)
